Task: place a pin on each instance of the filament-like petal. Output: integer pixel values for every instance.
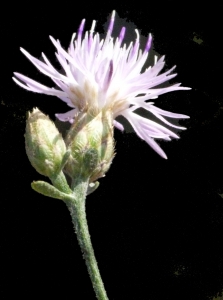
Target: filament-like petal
(107, 74)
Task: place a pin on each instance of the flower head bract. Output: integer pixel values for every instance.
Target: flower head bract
(107, 74)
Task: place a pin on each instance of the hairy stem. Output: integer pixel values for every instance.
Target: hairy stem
(78, 214)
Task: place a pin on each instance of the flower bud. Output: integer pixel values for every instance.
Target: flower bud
(45, 146)
(91, 142)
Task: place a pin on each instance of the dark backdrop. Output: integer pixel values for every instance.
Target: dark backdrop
(156, 225)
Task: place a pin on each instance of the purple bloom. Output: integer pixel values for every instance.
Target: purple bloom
(107, 75)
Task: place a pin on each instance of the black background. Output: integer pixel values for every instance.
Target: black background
(156, 225)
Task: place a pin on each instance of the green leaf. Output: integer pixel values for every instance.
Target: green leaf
(48, 190)
(92, 187)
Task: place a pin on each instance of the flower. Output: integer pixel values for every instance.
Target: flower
(45, 146)
(91, 145)
(105, 74)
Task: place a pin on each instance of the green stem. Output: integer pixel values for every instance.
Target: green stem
(60, 182)
(78, 214)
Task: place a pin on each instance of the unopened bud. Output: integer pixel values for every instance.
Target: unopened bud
(45, 146)
(91, 142)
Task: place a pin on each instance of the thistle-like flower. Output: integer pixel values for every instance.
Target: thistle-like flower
(45, 146)
(105, 75)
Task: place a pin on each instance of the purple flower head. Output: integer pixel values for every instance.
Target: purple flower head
(105, 74)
